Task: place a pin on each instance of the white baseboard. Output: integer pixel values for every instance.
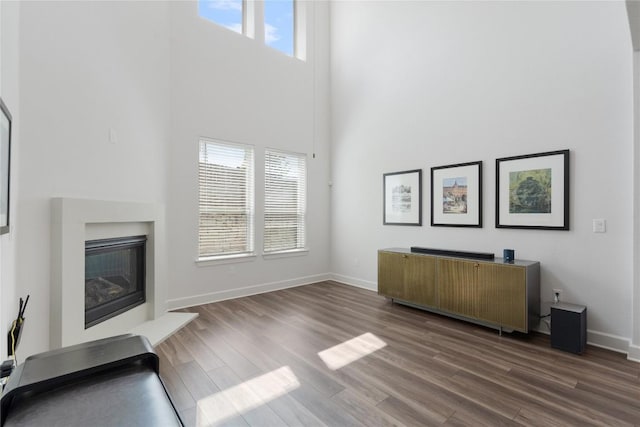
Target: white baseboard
(352, 281)
(177, 303)
(608, 341)
(633, 353)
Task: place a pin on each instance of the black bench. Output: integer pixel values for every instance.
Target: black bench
(110, 382)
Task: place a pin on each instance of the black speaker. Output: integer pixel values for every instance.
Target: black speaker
(569, 327)
(508, 255)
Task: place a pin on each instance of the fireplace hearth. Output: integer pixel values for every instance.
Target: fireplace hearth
(114, 277)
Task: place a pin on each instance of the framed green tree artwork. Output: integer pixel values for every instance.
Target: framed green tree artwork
(532, 191)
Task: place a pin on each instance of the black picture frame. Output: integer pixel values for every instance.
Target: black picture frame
(532, 191)
(456, 195)
(5, 166)
(402, 198)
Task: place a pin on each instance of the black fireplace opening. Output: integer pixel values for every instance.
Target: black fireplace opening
(114, 277)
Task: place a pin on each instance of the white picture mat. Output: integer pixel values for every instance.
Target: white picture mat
(553, 219)
(412, 216)
(471, 173)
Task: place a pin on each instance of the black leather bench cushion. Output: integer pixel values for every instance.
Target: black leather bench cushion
(129, 396)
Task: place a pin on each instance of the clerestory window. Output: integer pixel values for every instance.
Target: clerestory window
(280, 20)
(228, 13)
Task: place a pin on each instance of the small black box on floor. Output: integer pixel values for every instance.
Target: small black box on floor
(569, 327)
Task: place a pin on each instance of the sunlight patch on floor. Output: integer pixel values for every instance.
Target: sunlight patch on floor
(233, 402)
(349, 351)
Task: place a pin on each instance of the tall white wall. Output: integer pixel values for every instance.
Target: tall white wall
(227, 86)
(634, 348)
(86, 68)
(113, 97)
(9, 91)
(424, 84)
(413, 85)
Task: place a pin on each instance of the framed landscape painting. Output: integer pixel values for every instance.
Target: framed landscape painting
(456, 195)
(532, 191)
(402, 198)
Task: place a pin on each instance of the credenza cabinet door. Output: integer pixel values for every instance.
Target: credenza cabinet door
(407, 277)
(420, 280)
(502, 295)
(391, 268)
(457, 286)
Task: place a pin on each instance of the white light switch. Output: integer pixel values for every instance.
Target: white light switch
(599, 226)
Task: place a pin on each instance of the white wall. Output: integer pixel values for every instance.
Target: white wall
(227, 86)
(414, 85)
(114, 96)
(424, 84)
(9, 84)
(85, 68)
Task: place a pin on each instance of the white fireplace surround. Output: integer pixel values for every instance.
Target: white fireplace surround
(74, 221)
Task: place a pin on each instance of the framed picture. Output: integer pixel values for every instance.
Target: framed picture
(402, 198)
(5, 161)
(532, 191)
(456, 195)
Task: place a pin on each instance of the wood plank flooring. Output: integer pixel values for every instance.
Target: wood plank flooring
(334, 355)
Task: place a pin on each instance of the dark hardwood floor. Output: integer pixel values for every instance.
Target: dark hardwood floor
(335, 355)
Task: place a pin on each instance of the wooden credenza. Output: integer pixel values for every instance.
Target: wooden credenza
(505, 296)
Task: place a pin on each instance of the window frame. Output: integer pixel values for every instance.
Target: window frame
(250, 196)
(294, 28)
(302, 181)
(244, 23)
(254, 25)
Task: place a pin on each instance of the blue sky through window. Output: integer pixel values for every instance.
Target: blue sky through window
(227, 13)
(278, 25)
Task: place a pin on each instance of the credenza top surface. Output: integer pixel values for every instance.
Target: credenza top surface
(517, 262)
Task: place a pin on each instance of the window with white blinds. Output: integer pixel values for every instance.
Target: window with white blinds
(285, 201)
(226, 179)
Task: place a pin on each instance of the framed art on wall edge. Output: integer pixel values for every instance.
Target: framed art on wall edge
(402, 198)
(456, 195)
(5, 163)
(532, 191)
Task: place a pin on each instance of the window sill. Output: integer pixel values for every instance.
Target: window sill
(225, 259)
(285, 254)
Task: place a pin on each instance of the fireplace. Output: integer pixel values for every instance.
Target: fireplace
(76, 221)
(114, 280)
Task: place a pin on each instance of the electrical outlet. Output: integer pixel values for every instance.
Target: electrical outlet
(557, 293)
